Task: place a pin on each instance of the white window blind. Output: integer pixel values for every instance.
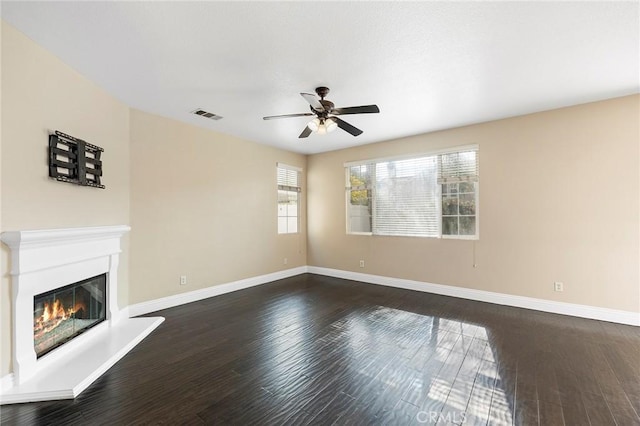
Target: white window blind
(406, 198)
(456, 167)
(288, 181)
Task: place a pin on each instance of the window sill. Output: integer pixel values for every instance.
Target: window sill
(442, 237)
(460, 237)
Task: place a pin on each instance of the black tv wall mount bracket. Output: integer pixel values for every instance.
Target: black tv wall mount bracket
(75, 161)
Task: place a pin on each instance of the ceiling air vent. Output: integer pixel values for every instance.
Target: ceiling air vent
(206, 114)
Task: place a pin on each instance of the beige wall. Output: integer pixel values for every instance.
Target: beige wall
(558, 202)
(203, 204)
(41, 94)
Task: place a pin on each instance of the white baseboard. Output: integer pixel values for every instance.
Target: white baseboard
(6, 382)
(582, 311)
(193, 296)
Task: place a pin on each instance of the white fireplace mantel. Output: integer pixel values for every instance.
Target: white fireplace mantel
(43, 260)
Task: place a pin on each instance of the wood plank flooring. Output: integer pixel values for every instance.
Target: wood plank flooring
(313, 350)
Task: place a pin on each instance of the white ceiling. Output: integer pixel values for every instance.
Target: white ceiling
(427, 65)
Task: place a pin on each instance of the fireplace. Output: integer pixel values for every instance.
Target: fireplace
(60, 315)
(67, 327)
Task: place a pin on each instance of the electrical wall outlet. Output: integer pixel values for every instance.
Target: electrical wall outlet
(183, 280)
(558, 286)
(285, 261)
(362, 263)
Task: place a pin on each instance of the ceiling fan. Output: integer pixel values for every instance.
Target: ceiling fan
(325, 112)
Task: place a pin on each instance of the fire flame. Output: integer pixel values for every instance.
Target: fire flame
(53, 315)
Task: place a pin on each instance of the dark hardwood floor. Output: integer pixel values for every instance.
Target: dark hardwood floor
(319, 350)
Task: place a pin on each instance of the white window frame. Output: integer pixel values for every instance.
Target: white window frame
(461, 148)
(298, 170)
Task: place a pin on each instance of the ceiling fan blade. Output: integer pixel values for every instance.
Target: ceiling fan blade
(347, 127)
(273, 117)
(313, 101)
(305, 133)
(364, 109)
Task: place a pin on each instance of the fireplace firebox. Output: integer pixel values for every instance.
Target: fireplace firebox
(60, 315)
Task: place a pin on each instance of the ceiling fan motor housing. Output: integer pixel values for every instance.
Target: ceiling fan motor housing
(327, 108)
(322, 91)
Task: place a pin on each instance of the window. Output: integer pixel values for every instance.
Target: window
(288, 197)
(359, 190)
(458, 177)
(422, 196)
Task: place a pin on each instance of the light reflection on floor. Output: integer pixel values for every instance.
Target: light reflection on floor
(446, 349)
(476, 392)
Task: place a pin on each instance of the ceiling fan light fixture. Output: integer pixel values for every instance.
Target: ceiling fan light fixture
(331, 125)
(313, 125)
